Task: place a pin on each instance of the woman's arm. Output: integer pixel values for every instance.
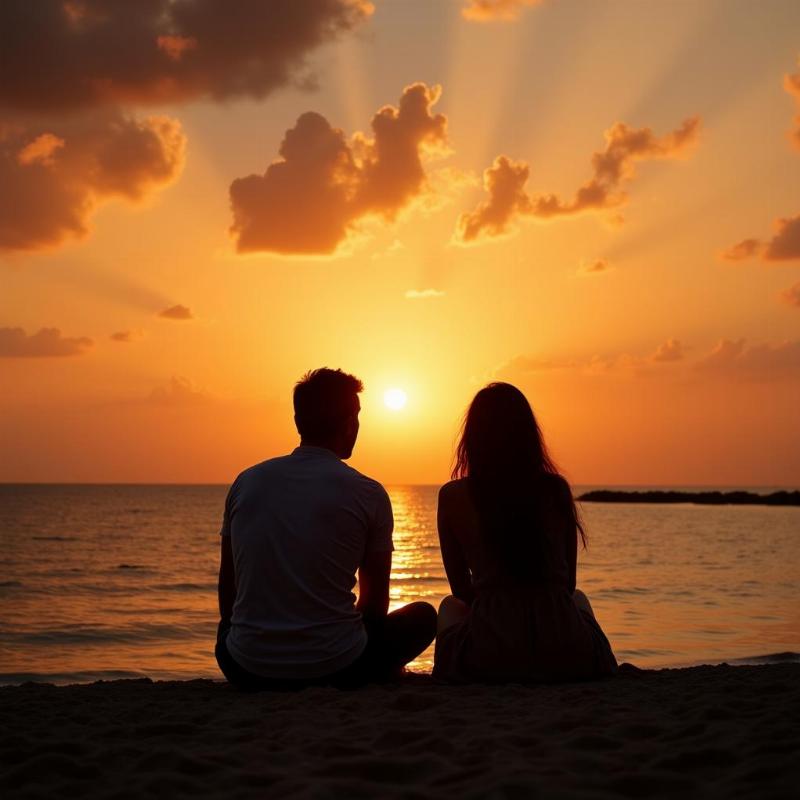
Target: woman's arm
(571, 532)
(572, 555)
(455, 564)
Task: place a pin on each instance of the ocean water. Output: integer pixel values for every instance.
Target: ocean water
(102, 582)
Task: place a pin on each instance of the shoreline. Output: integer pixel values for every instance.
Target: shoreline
(88, 677)
(703, 731)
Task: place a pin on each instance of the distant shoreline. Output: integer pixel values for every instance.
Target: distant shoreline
(737, 498)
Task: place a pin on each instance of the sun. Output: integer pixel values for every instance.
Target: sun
(395, 399)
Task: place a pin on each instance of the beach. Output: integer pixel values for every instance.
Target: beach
(708, 731)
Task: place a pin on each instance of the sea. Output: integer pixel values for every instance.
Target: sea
(101, 582)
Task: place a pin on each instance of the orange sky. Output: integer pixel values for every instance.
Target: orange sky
(598, 202)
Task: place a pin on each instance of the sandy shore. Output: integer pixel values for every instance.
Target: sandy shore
(701, 732)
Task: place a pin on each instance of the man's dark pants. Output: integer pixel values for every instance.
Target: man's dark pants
(391, 643)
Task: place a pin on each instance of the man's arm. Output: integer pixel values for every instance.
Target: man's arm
(227, 581)
(373, 585)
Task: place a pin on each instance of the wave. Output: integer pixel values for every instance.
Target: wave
(770, 658)
(64, 678)
(89, 634)
(623, 591)
(54, 538)
(182, 587)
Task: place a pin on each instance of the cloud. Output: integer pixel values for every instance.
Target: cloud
(47, 343)
(504, 183)
(761, 362)
(791, 83)
(177, 312)
(126, 336)
(313, 197)
(596, 267)
(178, 391)
(612, 167)
(56, 173)
(747, 248)
(785, 244)
(104, 57)
(423, 294)
(40, 150)
(791, 296)
(78, 54)
(728, 359)
(671, 350)
(492, 10)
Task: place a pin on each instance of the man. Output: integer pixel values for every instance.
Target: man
(296, 529)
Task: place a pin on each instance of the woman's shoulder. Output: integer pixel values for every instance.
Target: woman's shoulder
(455, 498)
(455, 486)
(453, 489)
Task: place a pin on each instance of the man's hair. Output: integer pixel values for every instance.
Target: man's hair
(323, 399)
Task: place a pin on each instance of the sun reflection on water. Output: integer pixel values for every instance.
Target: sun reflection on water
(417, 571)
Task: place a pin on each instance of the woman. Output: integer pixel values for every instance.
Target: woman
(508, 530)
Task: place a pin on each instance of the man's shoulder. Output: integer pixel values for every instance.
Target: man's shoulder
(362, 481)
(257, 471)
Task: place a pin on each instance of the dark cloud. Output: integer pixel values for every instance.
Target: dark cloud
(612, 168)
(75, 54)
(785, 244)
(747, 248)
(596, 267)
(493, 10)
(47, 343)
(671, 350)
(791, 296)
(178, 312)
(792, 85)
(323, 185)
(55, 173)
(100, 57)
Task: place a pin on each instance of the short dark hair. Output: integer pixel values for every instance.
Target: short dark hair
(323, 399)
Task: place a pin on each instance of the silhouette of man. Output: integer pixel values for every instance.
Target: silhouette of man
(295, 532)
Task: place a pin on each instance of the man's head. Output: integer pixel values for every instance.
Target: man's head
(326, 410)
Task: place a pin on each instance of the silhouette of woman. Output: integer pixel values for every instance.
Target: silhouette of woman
(508, 531)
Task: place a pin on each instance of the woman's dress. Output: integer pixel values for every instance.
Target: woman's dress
(529, 630)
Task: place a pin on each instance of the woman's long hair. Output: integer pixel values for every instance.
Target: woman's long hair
(502, 453)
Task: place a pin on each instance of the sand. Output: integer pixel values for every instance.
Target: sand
(701, 732)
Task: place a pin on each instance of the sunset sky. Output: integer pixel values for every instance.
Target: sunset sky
(597, 201)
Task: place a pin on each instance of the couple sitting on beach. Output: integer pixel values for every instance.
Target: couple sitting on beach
(299, 529)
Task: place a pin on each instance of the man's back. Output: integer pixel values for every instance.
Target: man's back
(300, 526)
